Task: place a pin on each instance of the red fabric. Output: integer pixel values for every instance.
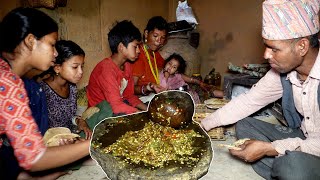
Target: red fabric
(105, 82)
(16, 120)
(142, 69)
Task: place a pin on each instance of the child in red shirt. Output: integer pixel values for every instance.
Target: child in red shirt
(112, 79)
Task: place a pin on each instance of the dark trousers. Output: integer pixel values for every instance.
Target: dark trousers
(292, 165)
(9, 167)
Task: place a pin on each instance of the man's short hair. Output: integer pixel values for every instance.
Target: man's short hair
(313, 40)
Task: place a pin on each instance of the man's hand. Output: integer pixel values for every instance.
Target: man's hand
(83, 126)
(252, 150)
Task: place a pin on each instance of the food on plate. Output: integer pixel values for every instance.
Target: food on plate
(55, 140)
(199, 116)
(236, 145)
(156, 145)
(215, 103)
(53, 135)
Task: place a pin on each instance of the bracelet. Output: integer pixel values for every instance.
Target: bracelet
(149, 87)
(142, 90)
(73, 120)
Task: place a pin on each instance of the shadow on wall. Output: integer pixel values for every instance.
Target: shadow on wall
(219, 44)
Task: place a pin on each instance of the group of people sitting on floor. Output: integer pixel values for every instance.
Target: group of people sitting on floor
(28, 41)
(48, 99)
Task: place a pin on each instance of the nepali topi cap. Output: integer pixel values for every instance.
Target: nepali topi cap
(289, 19)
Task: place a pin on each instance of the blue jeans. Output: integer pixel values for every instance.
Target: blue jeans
(292, 165)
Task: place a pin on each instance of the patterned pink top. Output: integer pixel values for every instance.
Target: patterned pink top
(16, 121)
(268, 90)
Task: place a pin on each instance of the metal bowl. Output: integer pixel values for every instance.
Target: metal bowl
(172, 108)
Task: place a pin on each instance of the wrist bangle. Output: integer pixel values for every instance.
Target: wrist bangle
(149, 87)
(143, 90)
(74, 120)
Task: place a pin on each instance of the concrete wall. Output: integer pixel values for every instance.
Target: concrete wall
(88, 22)
(230, 30)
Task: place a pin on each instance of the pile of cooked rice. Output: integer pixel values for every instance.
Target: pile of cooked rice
(156, 145)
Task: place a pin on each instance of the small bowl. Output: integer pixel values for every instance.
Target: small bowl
(172, 108)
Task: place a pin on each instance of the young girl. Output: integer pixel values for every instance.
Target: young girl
(172, 77)
(60, 87)
(27, 41)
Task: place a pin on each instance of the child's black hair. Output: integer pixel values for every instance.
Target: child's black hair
(123, 32)
(66, 50)
(156, 22)
(182, 63)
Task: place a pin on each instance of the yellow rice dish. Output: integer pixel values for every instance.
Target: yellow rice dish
(156, 145)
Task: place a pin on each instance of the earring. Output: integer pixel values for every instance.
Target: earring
(57, 74)
(145, 40)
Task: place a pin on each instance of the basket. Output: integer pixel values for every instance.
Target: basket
(201, 111)
(51, 4)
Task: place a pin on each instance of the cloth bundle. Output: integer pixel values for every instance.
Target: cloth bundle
(255, 70)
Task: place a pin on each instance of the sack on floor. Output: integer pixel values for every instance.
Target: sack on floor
(105, 111)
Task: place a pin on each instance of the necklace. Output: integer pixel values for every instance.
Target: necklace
(154, 70)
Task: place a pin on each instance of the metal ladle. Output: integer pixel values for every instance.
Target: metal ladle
(171, 108)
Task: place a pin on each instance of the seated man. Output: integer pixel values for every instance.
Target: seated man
(292, 48)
